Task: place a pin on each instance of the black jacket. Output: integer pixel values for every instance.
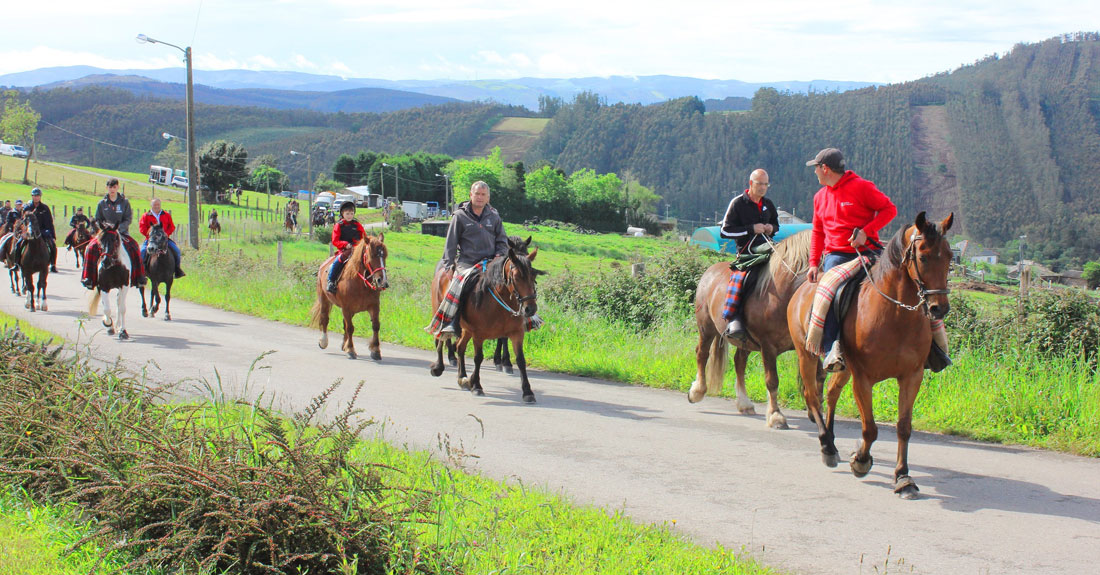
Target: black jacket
(45, 218)
(742, 214)
(116, 214)
(471, 239)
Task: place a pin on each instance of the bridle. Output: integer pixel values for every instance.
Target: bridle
(371, 270)
(910, 256)
(521, 299)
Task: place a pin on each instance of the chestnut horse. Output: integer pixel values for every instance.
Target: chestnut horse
(77, 241)
(886, 334)
(499, 305)
(359, 288)
(765, 317)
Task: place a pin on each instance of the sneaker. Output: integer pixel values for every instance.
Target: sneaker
(834, 361)
(735, 330)
(331, 287)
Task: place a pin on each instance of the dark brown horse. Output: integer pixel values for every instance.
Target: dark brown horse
(499, 305)
(359, 288)
(213, 227)
(35, 260)
(160, 268)
(7, 253)
(765, 317)
(885, 335)
(77, 241)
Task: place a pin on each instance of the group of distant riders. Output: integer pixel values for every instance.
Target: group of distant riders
(849, 212)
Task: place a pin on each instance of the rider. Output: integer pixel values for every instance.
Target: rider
(4, 210)
(45, 223)
(151, 218)
(113, 213)
(13, 217)
(345, 236)
(78, 218)
(848, 213)
(476, 235)
(750, 220)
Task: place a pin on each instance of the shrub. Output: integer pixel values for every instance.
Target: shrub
(1063, 323)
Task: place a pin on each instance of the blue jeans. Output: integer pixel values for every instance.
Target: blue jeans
(831, 332)
(335, 269)
(171, 245)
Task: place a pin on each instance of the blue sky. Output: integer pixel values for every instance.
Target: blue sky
(761, 41)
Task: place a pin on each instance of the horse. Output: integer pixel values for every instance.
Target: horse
(7, 254)
(765, 312)
(359, 288)
(501, 359)
(214, 227)
(290, 222)
(160, 268)
(114, 275)
(35, 260)
(499, 305)
(77, 241)
(883, 338)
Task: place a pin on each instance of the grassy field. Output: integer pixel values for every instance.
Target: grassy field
(532, 126)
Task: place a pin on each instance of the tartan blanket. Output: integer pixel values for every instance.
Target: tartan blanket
(823, 298)
(734, 294)
(448, 308)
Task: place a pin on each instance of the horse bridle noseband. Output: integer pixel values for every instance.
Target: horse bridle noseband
(519, 306)
(371, 270)
(910, 255)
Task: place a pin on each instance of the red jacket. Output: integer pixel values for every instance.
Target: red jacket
(347, 234)
(147, 222)
(852, 203)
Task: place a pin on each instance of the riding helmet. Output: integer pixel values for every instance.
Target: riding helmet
(36, 192)
(346, 205)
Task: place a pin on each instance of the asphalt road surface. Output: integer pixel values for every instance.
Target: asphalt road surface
(720, 476)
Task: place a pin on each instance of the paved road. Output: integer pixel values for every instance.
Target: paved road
(722, 477)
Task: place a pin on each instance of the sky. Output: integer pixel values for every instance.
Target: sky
(761, 41)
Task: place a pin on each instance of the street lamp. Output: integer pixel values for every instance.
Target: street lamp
(309, 187)
(396, 183)
(446, 191)
(192, 160)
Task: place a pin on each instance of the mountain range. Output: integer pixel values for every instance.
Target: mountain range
(219, 86)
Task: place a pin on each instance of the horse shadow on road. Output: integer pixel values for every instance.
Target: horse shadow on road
(168, 342)
(550, 401)
(203, 322)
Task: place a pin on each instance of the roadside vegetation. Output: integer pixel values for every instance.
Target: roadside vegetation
(94, 464)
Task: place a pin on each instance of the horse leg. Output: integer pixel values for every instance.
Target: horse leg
(479, 356)
(702, 355)
(42, 305)
(808, 367)
(861, 460)
(744, 404)
(451, 352)
(324, 309)
(502, 343)
(105, 305)
(349, 331)
(375, 342)
(460, 350)
(155, 299)
(521, 363)
(168, 300)
(775, 418)
(28, 291)
(144, 309)
(498, 359)
(836, 385)
(908, 387)
(436, 368)
(121, 304)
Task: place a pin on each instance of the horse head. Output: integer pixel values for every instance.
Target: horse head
(521, 277)
(158, 240)
(31, 229)
(928, 260)
(519, 244)
(109, 243)
(374, 262)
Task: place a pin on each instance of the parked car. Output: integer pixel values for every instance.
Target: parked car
(289, 194)
(179, 181)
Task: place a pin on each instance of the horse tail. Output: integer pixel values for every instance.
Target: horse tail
(717, 365)
(95, 303)
(316, 312)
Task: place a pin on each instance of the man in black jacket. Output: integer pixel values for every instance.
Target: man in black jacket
(45, 223)
(750, 220)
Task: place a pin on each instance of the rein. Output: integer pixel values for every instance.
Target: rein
(515, 312)
(371, 270)
(922, 292)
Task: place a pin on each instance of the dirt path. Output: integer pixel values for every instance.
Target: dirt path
(722, 477)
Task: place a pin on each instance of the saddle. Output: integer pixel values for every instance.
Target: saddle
(846, 293)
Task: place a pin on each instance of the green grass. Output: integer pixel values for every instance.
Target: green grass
(30, 331)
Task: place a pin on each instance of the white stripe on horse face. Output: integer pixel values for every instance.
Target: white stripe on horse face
(384, 280)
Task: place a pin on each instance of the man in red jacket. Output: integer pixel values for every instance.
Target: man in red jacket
(151, 218)
(845, 205)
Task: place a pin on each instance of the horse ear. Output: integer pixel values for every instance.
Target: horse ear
(921, 222)
(527, 242)
(381, 236)
(946, 223)
(531, 256)
(511, 253)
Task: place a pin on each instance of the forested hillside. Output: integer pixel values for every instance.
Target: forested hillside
(1019, 146)
(129, 129)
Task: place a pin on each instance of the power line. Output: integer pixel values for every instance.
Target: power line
(96, 140)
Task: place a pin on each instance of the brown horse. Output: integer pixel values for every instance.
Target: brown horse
(214, 227)
(77, 241)
(290, 222)
(499, 305)
(35, 260)
(765, 313)
(7, 253)
(886, 334)
(359, 289)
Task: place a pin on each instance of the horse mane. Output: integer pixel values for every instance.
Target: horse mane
(894, 254)
(354, 264)
(493, 276)
(793, 251)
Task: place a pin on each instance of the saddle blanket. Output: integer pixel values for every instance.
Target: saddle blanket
(823, 298)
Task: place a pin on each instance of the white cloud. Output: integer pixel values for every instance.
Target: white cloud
(302, 63)
(46, 57)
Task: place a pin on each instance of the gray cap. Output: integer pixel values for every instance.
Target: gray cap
(830, 158)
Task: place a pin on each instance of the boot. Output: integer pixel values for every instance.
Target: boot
(87, 283)
(834, 360)
(735, 330)
(331, 287)
(179, 272)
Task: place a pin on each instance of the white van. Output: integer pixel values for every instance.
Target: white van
(13, 150)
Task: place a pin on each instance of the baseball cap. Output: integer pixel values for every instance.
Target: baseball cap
(830, 158)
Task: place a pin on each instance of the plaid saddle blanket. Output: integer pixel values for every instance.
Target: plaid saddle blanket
(823, 298)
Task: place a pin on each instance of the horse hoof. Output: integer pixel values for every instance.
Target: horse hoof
(436, 370)
(777, 421)
(498, 367)
(123, 336)
(453, 362)
(352, 355)
(43, 307)
(861, 468)
(144, 313)
(508, 370)
(323, 342)
(464, 383)
(376, 355)
(697, 392)
(110, 331)
(906, 488)
(167, 317)
(829, 459)
(479, 392)
(746, 408)
(529, 399)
